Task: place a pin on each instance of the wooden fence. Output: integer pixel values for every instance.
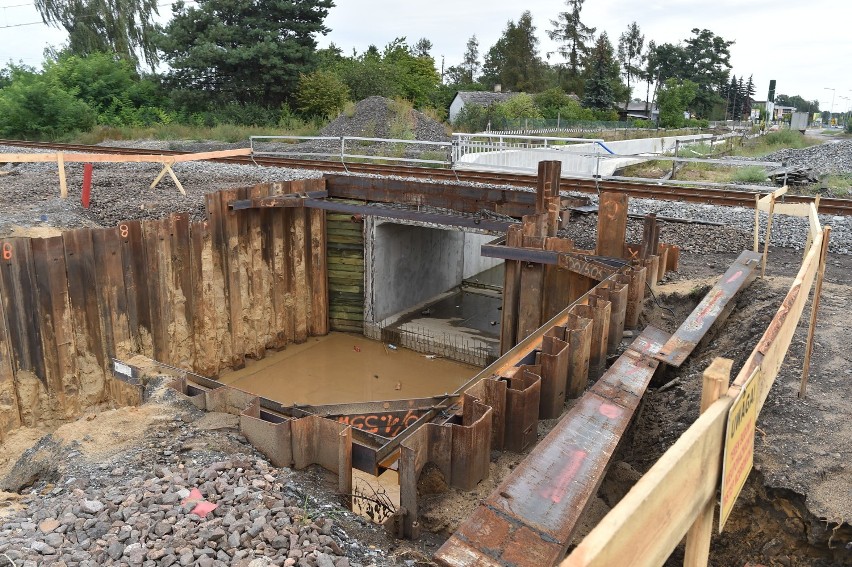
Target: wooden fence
(677, 495)
(201, 296)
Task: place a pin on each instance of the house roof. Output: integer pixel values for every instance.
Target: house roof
(483, 98)
(636, 106)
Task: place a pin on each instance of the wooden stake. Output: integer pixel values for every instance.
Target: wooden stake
(756, 223)
(167, 168)
(768, 236)
(803, 386)
(697, 552)
(63, 183)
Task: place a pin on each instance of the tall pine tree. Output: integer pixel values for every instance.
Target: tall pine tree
(573, 36)
(245, 52)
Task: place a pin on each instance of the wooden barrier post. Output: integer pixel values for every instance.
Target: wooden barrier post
(768, 235)
(697, 553)
(756, 223)
(63, 183)
(803, 386)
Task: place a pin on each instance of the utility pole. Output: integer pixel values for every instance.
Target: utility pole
(833, 92)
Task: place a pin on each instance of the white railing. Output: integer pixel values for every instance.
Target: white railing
(341, 147)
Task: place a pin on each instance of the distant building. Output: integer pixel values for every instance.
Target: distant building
(784, 112)
(637, 110)
(478, 98)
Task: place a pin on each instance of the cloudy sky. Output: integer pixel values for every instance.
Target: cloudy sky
(803, 45)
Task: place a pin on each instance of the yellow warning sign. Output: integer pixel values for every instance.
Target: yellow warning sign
(739, 445)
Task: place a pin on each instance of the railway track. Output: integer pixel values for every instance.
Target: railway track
(650, 190)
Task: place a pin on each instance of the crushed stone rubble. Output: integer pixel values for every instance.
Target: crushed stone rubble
(738, 232)
(834, 156)
(171, 502)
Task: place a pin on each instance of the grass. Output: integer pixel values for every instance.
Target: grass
(223, 132)
(839, 184)
(749, 174)
(773, 142)
(402, 119)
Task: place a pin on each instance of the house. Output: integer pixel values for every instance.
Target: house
(784, 112)
(479, 98)
(637, 109)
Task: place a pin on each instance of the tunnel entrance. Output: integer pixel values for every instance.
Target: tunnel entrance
(428, 288)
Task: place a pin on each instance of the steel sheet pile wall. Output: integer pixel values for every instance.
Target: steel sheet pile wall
(287, 442)
(200, 296)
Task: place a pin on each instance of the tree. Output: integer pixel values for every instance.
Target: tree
(422, 48)
(708, 62)
(573, 36)
(513, 61)
(35, 105)
(321, 94)
(247, 52)
(470, 62)
(124, 27)
(748, 91)
(674, 99)
(630, 54)
(602, 76)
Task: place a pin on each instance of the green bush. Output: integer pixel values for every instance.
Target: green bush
(35, 106)
(321, 94)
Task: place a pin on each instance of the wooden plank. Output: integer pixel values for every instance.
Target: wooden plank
(181, 289)
(319, 273)
(649, 522)
(135, 271)
(231, 254)
(259, 307)
(10, 409)
(556, 281)
(612, 224)
(55, 325)
(121, 158)
(531, 285)
(697, 551)
(154, 233)
(300, 269)
(809, 345)
(85, 315)
(206, 359)
(112, 295)
(219, 277)
(17, 287)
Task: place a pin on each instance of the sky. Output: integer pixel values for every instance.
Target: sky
(804, 46)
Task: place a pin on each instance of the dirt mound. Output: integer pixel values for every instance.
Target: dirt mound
(380, 117)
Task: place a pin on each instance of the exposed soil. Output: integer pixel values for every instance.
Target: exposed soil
(797, 503)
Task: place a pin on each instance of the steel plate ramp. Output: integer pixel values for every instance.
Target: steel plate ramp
(714, 308)
(530, 518)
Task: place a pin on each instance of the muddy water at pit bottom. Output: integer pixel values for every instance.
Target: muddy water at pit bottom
(331, 370)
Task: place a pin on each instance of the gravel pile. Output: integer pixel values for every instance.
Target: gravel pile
(831, 157)
(374, 117)
(190, 492)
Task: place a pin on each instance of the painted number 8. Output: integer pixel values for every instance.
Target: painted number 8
(7, 251)
(123, 230)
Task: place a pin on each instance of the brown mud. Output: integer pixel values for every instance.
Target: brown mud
(341, 368)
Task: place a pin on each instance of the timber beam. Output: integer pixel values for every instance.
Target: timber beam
(316, 200)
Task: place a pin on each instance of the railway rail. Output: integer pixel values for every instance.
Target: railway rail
(644, 190)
